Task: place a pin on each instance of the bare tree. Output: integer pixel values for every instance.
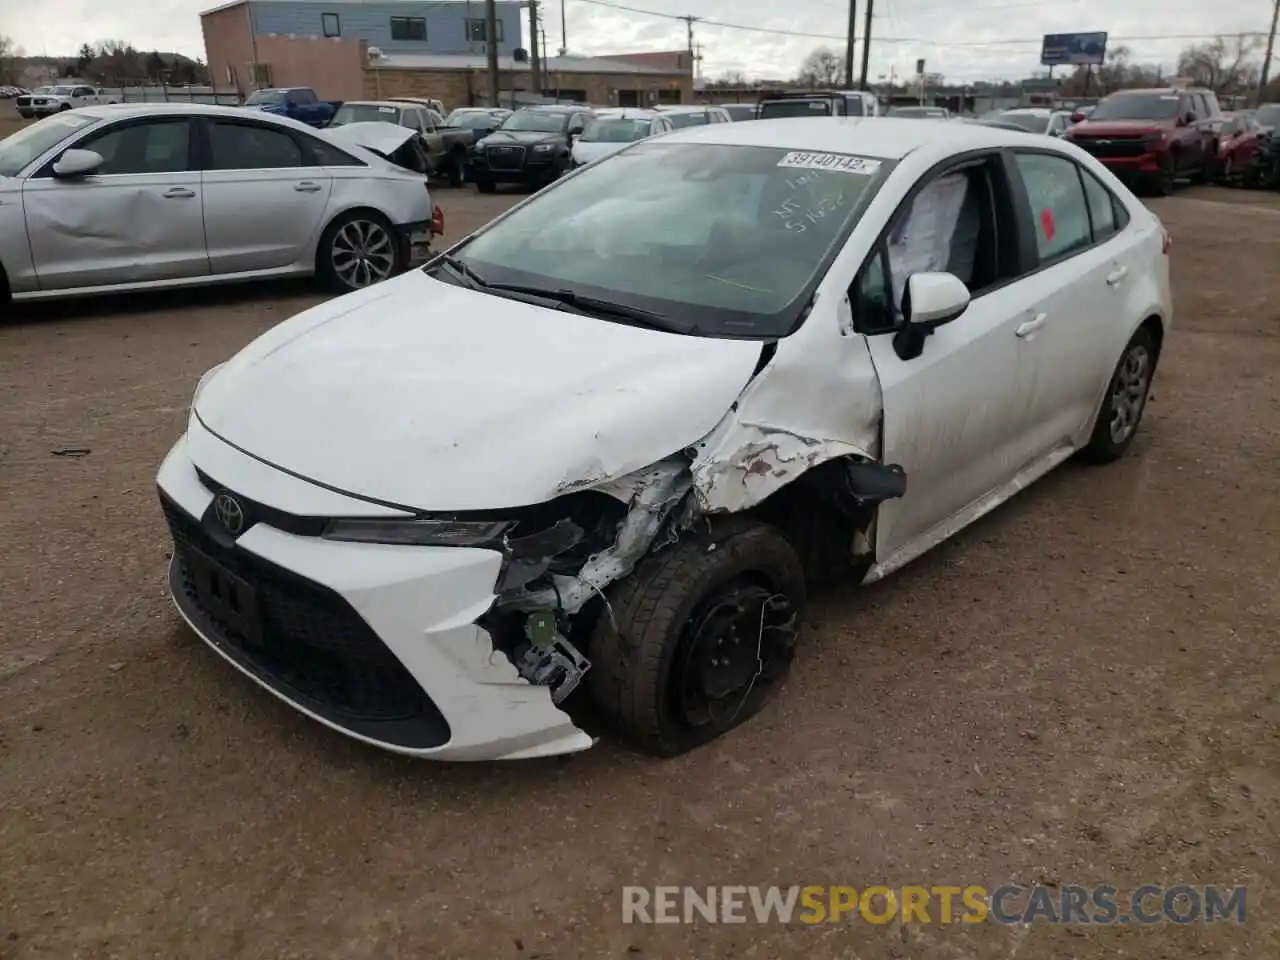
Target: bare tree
(821, 68)
(117, 62)
(10, 62)
(1223, 64)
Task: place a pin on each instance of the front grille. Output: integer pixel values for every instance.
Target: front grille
(23, 102)
(505, 158)
(314, 647)
(1103, 147)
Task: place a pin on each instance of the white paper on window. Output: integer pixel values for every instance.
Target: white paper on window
(921, 243)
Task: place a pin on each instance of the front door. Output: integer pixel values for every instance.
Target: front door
(137, 219)
(263, 202)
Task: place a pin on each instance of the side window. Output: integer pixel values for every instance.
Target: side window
(302, 96)
(1058, 204)
(160, 146)
(874, 308)
(1211, 103)
(327, 155)
(245, 146)
(1102, 208)
(330, 25)
(84, 91)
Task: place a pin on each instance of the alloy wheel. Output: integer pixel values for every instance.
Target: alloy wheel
(1129, 393)
(362, 254)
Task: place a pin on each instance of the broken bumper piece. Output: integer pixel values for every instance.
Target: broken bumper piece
(377, 641)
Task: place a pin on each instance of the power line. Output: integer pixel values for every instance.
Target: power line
(1010, 42)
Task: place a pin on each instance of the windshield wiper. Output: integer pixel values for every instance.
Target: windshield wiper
(635, 315)
(461, 269)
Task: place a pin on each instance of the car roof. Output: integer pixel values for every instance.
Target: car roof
(115, 111)
(1030, 111)
(880, 137)
(376, 103)
(687, 108)
(552, 108)
(639, 113)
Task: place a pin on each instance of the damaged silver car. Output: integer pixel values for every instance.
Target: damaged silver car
(597, 451)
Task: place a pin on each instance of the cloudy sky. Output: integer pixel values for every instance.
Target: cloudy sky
(989, 39)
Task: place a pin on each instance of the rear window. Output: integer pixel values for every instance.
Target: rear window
(774, 109)
(616, 130)
(679, 120)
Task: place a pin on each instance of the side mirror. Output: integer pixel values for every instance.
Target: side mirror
(77, 163)
(930, 300)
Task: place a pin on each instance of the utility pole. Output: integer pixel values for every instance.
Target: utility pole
(1271, 46)
(546, 69)
(564, 32)
(848, 52)
(491, 45)
(697, 61)
(689, 22)
(867, 44)
(535, 61)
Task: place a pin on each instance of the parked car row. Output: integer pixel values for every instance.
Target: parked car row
(43, 101)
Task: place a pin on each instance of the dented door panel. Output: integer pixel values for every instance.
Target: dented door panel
(127, 228)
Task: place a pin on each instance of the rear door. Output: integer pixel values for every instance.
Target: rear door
(138, 219)
(264, 199)
(1084, 260)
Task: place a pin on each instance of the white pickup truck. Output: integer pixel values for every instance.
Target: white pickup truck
(46, 100)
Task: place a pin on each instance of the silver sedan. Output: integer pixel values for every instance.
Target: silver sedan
(138, 196)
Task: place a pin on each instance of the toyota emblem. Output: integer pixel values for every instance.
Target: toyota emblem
(229, 513)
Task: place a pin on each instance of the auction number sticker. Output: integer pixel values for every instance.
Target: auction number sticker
(386, 109)
(839, 162)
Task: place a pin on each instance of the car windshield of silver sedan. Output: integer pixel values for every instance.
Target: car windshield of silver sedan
(536, 122)
(19, 149)
(616, 130)
(707, 239)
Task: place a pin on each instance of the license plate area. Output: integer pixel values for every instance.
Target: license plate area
(224, 596)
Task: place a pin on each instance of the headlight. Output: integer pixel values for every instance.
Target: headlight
(420, 533)
(204, 380)
(543, 147)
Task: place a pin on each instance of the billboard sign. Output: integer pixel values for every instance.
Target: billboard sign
(1074, 49)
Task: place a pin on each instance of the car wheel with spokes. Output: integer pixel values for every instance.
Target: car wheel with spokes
(1125, 401)
(698, 638)
(358, 250)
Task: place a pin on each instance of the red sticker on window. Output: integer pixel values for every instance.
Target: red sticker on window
(1046, 223)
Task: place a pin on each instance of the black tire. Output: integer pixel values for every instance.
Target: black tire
(1205, 173)
(670, 668)
(454, 170)
(1229, 177)
(65, 106)
(1107, 444)
(1166, 179)
(332, 269)
(484, 184)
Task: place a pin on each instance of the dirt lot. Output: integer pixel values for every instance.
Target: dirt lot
(1084, 688)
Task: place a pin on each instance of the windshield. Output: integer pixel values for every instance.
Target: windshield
(616, 130)
(260, 97)
(1268, 115)
(536, 121)
(795, 108)
(1027, 121)
(43, 90)
(461, 118)
(730, 240)
(918, 113)
(1137, 106)
(680, 120)
(364, 113)
(741, 111)
(62, 91)
(19, 149)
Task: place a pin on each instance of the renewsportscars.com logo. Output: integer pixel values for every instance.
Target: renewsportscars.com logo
(1010, 904)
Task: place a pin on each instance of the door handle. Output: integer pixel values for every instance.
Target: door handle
(1032, 325)
(1116, 275)
(307, 186)
(179, 193)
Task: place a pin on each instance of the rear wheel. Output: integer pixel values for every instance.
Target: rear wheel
(1126, 399)
(454, 169)
(358, 250)
(1167, 177)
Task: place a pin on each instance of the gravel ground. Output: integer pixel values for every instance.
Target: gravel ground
(1082, 688)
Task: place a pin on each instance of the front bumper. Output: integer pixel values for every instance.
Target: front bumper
(379, 642)
(535, 169)
(43, 109)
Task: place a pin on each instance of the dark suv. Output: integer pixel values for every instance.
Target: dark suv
(532, 147)
(1154, 136)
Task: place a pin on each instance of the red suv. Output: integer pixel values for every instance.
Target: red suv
(1154, 136)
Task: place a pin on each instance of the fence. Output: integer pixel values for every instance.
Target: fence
(145, 94)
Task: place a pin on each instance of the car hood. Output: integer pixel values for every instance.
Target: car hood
(585, 151)
(521, 137)
(377, 135)
(422, 394)
(1118, 128)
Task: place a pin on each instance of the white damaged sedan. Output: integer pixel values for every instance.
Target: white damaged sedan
(608, 459)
